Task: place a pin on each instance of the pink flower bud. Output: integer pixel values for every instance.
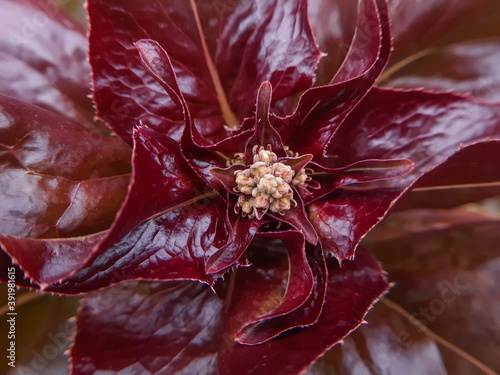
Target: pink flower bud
(261, 201)
(267, 184)
(265, 156)
(301, 179)
(283, 171)
(260, 169)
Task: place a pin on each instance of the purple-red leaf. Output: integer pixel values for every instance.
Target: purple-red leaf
(43, 58)
(242, 232)
(47, 262)
(471, 174)
(125, 93)
(264, 134)
(158, 334)
(468, 68)
(351, 291)
(418, 26)
(297, 218)
(387, 345)
(266, 41)
(422, 127)
(169, 224)
(360, 174)
(446, 267)
(59, 178)
(333, 23)
(321, 110)
(298, 289)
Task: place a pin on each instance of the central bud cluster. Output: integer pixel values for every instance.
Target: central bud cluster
(265, 185)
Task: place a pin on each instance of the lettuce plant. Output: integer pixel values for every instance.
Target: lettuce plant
(214, 192)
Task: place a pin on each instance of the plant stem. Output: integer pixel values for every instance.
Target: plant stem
(227, 114)
(438, 339)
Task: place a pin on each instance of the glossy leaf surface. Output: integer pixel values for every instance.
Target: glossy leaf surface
(445, 264)
(387, 345)
(419, 126)
(245, 54)
(203, 342)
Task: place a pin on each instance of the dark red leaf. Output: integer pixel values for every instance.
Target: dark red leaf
(47, 262)
(163, 328)
(59, 178)
(297, 218)
(343, 219)
(445, 264)
(160, 234)
(125, 93)
(242, 232)
(266, 41)
(43, 57)
(298, 290)
(159, 334)
(387, 345)
(362, 172)
(419, 25)
(469, 68)
(351, 291)
(422, 127)
(322, 109)
(333, 23)
(471, 174)
(264, 134)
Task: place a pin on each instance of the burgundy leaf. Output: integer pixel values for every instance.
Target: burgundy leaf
(125, 93)
(469, 175)
(193, 144)
(23, 82)
(306, 314)
(297, 218)
(158, 334)
(445, 264)
(343, 219)
(422, 127)
(266, 41)
(160, 234)
(469, 67)
(358, 173)
(264, 134)
(322, 109)
(298, 290)
(242, 232)
(47, 262)
(44, 58)
(21, 279)
(418, 25)
(351, 291)
(387, 345)
(200, 339)
(59, 178)
(333, 23)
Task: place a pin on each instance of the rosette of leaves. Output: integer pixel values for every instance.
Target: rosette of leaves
(234, 239)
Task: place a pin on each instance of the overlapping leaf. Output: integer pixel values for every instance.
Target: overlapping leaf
(161, 233)
(387, 345)
(173, 338)
(445, 264)
(43, 58)
(468, 68)
(422, 127)
(245, 54)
